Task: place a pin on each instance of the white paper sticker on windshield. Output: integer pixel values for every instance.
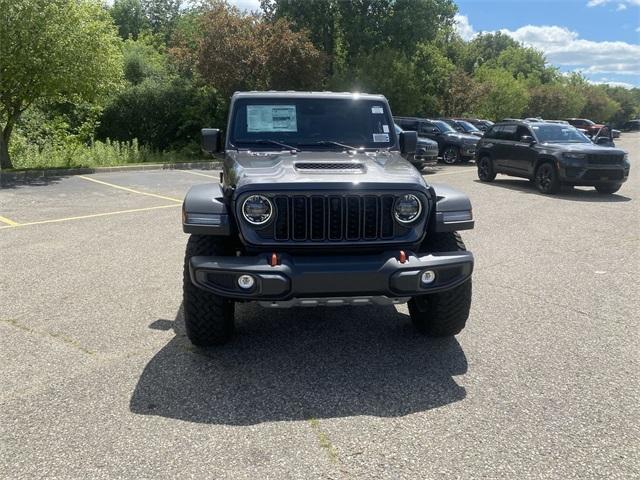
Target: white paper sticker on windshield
(271, 118)
(385, 128)
(380, 137)
(377, 110)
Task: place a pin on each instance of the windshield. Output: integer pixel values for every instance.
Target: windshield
(559, 134)
(467, 127)
(444, 127)
(258, 123)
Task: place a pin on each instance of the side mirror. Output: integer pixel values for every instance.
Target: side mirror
(527, 139)
(211, 140)
(408, 142)
(604, 141)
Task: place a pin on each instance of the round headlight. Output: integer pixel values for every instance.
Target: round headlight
(408, 207)
(257, 209)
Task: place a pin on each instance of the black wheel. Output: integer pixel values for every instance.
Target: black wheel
(546, 178)
(208, 317)
(451, 154)
(486, 173)
(445, 313)
(608, 188)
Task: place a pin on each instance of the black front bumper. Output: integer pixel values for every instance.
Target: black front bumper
(592, 175)
(329, 276)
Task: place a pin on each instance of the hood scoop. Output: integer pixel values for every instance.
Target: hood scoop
(330, 166)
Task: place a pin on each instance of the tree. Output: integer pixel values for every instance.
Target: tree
(504, 95)
(53, 49)
(599, 106)
(462, 94)
(129, 17)
(162, 15)
(555, 101)
(244, 52)
(433, 70)
(143, 60)
(486, 47)
(346, 30)
(524, 62)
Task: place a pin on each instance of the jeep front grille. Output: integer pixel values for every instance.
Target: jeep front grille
(604, 159)
(334, 218)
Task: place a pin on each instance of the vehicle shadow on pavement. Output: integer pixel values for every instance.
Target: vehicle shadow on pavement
(7, 181)
(581, 194)
(298, 364)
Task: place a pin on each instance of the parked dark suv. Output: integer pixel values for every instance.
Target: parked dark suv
(550, 154)
(426, 154)
(463, 126)
(317, 207)
(454, 146)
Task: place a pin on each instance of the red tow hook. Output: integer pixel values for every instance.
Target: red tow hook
(274, 259)
(402, 258)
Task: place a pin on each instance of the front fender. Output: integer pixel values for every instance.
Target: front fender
(453, 210)
(204, 211)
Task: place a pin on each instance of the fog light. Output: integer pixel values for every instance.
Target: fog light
(428, 276)
(246, 281)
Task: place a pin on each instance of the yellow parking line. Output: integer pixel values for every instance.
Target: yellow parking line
(201, 174)
(131, 190)
(95, 215)
(10, 223)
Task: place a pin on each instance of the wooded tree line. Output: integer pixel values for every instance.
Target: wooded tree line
(77, 72)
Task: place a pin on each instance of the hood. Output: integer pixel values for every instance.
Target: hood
(384, 170)
(463, 137)
(582, 148)
(427, 142)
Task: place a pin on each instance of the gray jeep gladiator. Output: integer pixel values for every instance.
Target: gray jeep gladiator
(317, 207)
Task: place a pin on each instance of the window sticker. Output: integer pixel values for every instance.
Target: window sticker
(381, 137)
(385, 128)
(271, 118)
(378, 110)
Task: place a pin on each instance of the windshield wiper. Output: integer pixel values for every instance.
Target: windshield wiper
(264, 141)
(329, 142)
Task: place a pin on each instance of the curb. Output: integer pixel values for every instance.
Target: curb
(10, 178)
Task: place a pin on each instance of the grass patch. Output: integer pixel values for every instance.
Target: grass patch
(97, 154)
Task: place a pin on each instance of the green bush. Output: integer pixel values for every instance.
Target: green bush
(162, 114)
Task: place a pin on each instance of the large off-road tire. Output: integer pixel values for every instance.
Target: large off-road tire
(451, 154)
(546, 178)
(608, 188)
(486, 172)
(442, 314)
(208, 318)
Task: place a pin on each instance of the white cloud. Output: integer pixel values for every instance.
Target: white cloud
(565, 48)
(622, 4)
(612, 83)
(463, 27)
(621, 7)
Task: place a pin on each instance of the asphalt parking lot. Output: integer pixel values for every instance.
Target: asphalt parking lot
(97, 378)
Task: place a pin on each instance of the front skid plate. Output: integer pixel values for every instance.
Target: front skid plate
(334, 302)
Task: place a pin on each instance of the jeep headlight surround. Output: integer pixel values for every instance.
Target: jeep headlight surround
(407, 208)
(257, 209)
(574, 156)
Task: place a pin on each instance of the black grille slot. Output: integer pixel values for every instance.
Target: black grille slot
(282, 219)
(353, 218)
(333, 217)
(386, 217)
(299, 218)
(317, 218)
(370, 217)
(602, 159)
(329, 166)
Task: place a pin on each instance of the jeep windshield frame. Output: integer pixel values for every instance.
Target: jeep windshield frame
(311, 123)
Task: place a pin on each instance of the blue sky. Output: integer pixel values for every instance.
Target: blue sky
(600, 38)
